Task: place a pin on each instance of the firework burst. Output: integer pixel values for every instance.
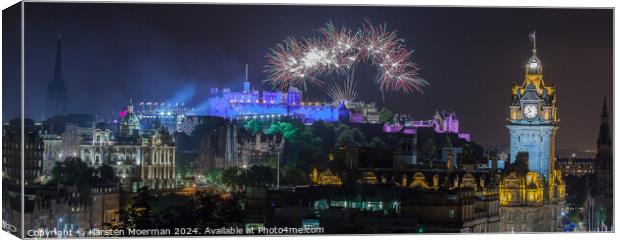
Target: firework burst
(338, 50)
(344, 93)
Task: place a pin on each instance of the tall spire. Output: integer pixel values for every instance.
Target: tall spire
(533, 39)
(58, 67)
(246, 84)
(604, 114)
(57, 88)
(130, 106)
(603, 134)
(604, 166)
(534, 65)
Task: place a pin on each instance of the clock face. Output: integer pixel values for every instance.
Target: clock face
(530, 111)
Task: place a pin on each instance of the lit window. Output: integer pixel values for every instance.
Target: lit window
(451, 213)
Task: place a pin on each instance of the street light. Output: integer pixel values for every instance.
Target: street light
(275, 148)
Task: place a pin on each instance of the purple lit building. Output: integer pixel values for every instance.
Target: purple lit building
(442, 122)
(253, 104)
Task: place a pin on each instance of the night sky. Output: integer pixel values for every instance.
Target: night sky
(470, 57)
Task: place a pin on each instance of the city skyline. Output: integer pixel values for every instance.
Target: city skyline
(125, 57)
(210, 119)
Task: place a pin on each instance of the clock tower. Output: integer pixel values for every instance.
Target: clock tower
(533, 118)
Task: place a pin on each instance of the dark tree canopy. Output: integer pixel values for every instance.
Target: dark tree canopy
(201, 209)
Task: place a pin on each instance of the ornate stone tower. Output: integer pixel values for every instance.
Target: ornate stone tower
(532, 200)
(130, 124)
(599, 200)
(533, 118)
(604, 163)
(57, 88)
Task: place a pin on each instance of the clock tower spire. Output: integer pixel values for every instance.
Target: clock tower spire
(533, 117)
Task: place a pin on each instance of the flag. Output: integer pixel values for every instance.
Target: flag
(533, 36)
(533, 40)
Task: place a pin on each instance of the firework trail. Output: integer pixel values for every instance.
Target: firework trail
(345, 93)
(338, 50)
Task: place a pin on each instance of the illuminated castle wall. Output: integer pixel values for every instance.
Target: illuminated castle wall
(168, 115)
(266, 104)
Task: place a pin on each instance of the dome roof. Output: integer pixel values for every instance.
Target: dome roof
(130, 119)
(534, 65)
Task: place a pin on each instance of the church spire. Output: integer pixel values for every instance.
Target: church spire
(603, 184)
(604, 114)
(58, 66)
(57, 88)
(603, 134)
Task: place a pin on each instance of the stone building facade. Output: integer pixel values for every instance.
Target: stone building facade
(139, 158)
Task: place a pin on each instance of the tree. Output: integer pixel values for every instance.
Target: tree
(358, 136)
(200, 210)
(106, 174)
(327, 133)
(229, 212)
(284, 128)
(179, 214)
(230, 176)
(254, 126)
(352, 137)
(214, 177)
(295, 177)
(73, 171)
(377, 142)
(139, 214)
(257, 175)
(346, 139)
(341, 128)
(385, 115)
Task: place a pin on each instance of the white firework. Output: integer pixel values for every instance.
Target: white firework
(345, 93)
(296, 62)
